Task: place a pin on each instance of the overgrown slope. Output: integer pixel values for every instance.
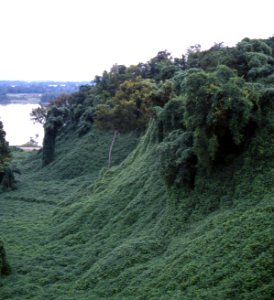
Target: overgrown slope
(183, 213)
(26, 213)
(128, 236)
(140, 240)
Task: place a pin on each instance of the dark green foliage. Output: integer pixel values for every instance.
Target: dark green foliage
(178, 159)
(4, 149)
(54, 121)
(49, 146)
(4, 266)
(172, 115)
(86, 121)
(130, 93)
(5, 155)
(187, 214)
(127, 236)
(268, 100)
(84, 127)
(162, 67)
(220, 112)
(253, 59)
(8, 179)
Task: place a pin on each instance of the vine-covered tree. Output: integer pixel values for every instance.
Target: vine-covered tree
(119, 119)
(54, 121)
(130, 110)
(5, 155)
(214, 97)
(221, 110)
(7, 178)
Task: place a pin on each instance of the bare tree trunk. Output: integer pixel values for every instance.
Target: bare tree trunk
(111, 147)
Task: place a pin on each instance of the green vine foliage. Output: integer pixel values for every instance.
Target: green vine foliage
(8, 179)
(55, 120)
(4, 150)
(178, 159)
(210, 124)
(220, 97)
(223, 111)
(5, 155)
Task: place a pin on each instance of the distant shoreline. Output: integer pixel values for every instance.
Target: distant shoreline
(23, 102)
(28, 148)
(22, 98)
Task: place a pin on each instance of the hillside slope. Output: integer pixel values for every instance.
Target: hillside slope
(129, 236)
(141, 240)
(26, 213)
(185, 210)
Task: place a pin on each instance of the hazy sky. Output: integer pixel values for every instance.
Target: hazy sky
(78, 39)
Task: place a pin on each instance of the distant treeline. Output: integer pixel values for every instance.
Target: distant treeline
(48, 89)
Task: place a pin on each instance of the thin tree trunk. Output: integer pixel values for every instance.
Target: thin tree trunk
(111, 147)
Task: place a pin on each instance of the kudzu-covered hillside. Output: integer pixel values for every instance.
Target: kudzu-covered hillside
(154, 182)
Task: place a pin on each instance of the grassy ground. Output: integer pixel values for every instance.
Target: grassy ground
(127, 236)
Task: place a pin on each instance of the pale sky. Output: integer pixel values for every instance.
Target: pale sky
(78, 39)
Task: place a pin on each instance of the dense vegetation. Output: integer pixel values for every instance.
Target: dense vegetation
(183, 210)
(4, 161)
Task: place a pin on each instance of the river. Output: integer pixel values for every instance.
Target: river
(18, 125)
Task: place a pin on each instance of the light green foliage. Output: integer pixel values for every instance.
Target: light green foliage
(130, 109)
(135, 98)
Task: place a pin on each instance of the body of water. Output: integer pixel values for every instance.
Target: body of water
(18, 125)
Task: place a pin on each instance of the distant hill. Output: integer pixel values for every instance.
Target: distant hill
(36, 91)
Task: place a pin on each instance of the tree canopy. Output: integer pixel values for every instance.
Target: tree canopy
(216, 98)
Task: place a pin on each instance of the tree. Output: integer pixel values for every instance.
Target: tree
(38, 115)
(121, 118)
(162, 66)
(5, 155)
(131, 106)
(221, 110)
(140, 92)
(193, 56)
(54, 121)
(7, 179)
(253, 59)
